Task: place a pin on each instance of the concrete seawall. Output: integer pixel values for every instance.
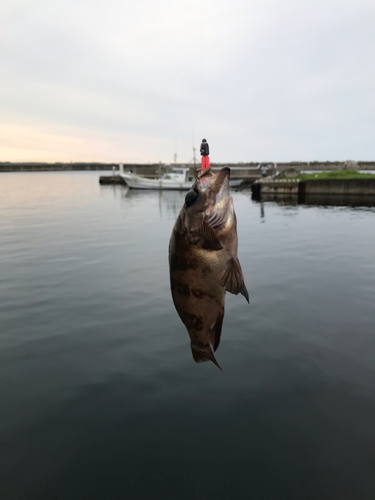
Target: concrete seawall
(288, 188)
(337, 186)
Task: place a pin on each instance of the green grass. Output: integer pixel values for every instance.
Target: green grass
(333, 174)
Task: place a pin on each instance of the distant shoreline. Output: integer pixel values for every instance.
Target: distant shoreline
(80, 166)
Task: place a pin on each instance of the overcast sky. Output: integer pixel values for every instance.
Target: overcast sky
(143, 80)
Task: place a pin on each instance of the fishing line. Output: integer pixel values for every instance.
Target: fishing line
(201, 51)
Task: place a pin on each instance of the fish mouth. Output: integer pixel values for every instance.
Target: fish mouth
(204, 172)
(225, 170)
(218, 184)
(218, 211)
(221, 185)
(207, 172)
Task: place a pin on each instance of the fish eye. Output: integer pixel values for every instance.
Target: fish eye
(190, 197)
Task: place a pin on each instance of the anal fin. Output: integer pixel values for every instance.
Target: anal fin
(215, 331)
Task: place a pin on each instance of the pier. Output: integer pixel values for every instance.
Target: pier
(111, 180)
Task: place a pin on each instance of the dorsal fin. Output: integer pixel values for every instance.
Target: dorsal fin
(232, 279)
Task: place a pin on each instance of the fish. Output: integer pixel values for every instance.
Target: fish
(203, 261)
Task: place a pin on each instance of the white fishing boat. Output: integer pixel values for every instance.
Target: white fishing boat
(177, 178)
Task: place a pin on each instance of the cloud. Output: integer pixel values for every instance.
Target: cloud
(266, 80)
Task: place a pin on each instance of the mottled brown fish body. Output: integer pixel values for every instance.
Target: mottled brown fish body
(203, 261)
(197, 294)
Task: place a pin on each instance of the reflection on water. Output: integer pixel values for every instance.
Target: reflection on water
(337, 200)
(332, 200)
(100, 398)
(168, 201)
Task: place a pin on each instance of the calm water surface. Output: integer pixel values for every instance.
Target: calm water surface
(100, 396)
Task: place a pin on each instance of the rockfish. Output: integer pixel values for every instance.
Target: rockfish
(203, 261)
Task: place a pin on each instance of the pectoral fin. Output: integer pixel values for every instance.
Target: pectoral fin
(217, 219)
(208, 237)
(232, 279)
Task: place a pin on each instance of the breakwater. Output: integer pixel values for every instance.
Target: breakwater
(54, 167)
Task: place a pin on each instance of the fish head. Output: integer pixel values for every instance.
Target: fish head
(209, 203)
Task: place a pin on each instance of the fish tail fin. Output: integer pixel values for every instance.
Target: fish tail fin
(203, 353)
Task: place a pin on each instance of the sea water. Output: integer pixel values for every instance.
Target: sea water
(100, 396)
